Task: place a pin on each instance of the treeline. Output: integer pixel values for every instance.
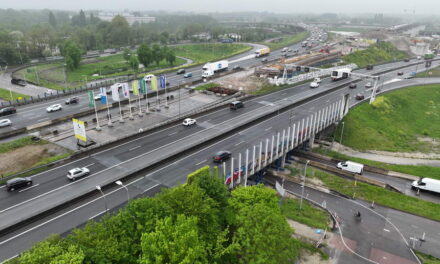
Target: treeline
(198, 222)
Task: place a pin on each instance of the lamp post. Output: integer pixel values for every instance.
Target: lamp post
(103, 195)
(303, 185)
(65, 78)
(121, 184)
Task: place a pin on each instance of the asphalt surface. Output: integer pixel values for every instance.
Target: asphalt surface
(168, 175)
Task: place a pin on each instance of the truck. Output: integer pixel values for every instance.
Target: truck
(209, 69)
(262, 52)
(429, 56)
(426, 184)
(351, 166)
(341, 74)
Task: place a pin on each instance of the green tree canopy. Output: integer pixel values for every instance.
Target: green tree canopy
(144, 55)
(72, 55)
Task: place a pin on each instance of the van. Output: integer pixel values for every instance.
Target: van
(426, 184)
(351, 166)
(236, 105)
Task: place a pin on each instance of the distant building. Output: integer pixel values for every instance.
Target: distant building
(131, 19)
(205, 36)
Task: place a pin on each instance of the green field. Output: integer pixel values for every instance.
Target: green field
(378, 195)
(404, 120)
(427, 259)
(6, 95)
(286, 40)
(52, 75)
(308, 215)
(435, 72)
(375, 54)
(416, 170)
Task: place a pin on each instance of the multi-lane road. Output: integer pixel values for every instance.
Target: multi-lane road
(170, 173)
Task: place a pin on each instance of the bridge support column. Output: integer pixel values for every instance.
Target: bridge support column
(283, 161)
(311, 140)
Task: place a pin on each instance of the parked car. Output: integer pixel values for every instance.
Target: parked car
(181, 71)
(236, 105)
(5, 122)
(221, 156)
(314, 85)
(72, 100)
(188, 75)
(97, 97)
(7, 111)
(368, 85)
(370, 67)
(400, 73)
(352, 85)
(77, 173)
(14, 184)
(360, 97)
(189, 122)
(53, 108)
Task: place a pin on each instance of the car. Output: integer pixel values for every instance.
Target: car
(317, 80)
(19, 182)
(221, 156)
(264, 60)
(368, 85)
(97, 97)
(5, 122)
(77, 173)
(314, 85)
(53, 108)
(8, 111)
(236, 105)
(148, 77)
(370, 67)
(72, 100)
(406, 60)
(400, 73)
(236, 67)
(181, 71)
(189, 122)
(352, 85)
(187, 75)
(360, 97)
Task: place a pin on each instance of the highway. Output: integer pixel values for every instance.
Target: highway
(36, 113)
(171, 173)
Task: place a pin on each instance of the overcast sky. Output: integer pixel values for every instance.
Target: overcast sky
(279, 6)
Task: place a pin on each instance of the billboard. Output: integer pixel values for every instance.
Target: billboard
(79, 129)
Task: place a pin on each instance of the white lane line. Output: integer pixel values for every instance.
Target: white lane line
(84, 108)
(207, 120)
(197, 164)
(46, 118)
(386, 230)
(172, 134)
(98, 214)
(267, 129)
(89, 165)
(239, 143)
(29, 188)
(6, 260)
(134, 148)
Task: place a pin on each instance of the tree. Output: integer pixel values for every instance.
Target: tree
(173, 242)
(134, 62)
(156, 54)
(144, 55)
(171, 57)
(82, 18)
(119, 31)
(52, 20)
(72, 55)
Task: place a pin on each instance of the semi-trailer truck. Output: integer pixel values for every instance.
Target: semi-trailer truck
(209, 69)
(341, 74)
(262, 52)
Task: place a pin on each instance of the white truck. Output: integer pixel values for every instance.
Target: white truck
(262, 52)
(209, 69)
(351, 166)
(341, 74)
(427, 184)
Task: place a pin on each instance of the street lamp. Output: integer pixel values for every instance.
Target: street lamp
(65, 78)
(303, 185)
(103, 195)
(121, 184)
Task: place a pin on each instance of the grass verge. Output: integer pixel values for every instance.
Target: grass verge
(6, 95)
(427, 259)
(206, 86)
(18, 143)
(405, 120)
(312, 249)
(267, 88)
(379, 195)
(435, 72)
(286, 40)
(308, 215)
(416, 170)
(375, 54)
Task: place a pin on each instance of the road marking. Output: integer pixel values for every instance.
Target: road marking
(91, 164)
(239, 143)
(267, 129)
(84, 108)
(46, 118)
(197, 164)
(386, 230)
(98, 214)
(134, 148)
(172, 134)
(208, 120)
(150, 188)
(29, 188)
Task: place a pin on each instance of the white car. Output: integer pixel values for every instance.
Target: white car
(368, 85)
(76, 173)
(53, 108)
(5, 122)
(314, 85)
(317, 80)
(189, 122)
(148, 77)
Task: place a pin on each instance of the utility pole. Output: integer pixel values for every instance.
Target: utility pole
(303, 185)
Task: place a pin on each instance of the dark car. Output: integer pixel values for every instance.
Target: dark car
(369, 67)
(181, 71)
(236, 105)
(221, 156)
(18, 82)
(406, 60)
(16, 183)
(236, 67)
(400, 73)
(73, 100)
(360, 97)
(352, 85)
(7, 111)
